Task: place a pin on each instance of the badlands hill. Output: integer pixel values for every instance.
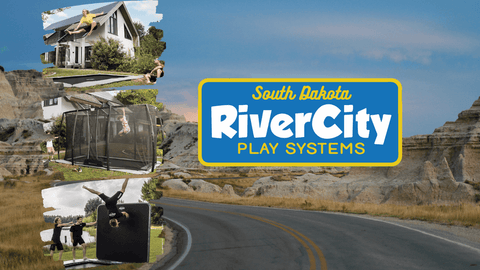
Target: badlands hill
(21, 129)
(435, 168)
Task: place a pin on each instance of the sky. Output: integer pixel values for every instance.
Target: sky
(431, 47)
(140, 11)
(71, 199)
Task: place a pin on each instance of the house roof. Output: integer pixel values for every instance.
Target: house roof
(106, 98)
(108, 10)
(47, 36)
(75, 19)
(85, 99)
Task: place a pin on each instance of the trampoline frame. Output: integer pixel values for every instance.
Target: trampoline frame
(152, 121)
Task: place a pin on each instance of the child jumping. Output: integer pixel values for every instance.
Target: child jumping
(126, 127)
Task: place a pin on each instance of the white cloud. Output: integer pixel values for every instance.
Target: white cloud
(62, 14)
(150, 7)
(374, 38)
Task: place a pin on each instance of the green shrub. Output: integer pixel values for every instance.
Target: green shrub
(107, 54)
(144, 64)
(149, 190)
(128, 65)
(43, 146)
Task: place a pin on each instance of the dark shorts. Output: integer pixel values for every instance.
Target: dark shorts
(111, 200)
(88, 28)
(78, 241)
(56, 244)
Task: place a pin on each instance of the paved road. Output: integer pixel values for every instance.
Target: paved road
(243, 237)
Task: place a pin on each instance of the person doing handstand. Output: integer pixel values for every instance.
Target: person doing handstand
(126, 127)
(114, 214)
(156, 73)
(88, 19)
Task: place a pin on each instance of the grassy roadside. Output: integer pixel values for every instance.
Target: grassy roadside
(454, 214)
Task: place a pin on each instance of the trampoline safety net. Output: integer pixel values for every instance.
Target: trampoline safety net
(113, 137)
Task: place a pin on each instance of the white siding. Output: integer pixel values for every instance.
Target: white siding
(127, 44)
(50, 112)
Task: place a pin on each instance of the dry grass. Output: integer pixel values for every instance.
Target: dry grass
(238, 184)
(460, 214)
(21, 222)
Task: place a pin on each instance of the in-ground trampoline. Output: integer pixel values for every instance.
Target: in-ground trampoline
(93, 79)
(97, 137)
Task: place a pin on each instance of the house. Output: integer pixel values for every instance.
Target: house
(75, 50)
(55, 107)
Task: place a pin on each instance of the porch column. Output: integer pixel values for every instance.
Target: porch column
(56, 54)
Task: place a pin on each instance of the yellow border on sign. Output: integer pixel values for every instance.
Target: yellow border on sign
(304, 164)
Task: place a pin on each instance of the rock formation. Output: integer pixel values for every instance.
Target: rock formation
(203, 186)
(21, 134)
(434, 168)
(181, 145)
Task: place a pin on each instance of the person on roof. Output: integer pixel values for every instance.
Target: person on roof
(88, 19)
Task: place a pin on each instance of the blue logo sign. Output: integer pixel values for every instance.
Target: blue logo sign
(300, 122)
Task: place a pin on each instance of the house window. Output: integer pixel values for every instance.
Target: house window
(127, 34)
(113, 24)
(88, 53)
(50, 102)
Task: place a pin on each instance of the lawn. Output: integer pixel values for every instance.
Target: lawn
(110, 85)
(86, 174)
(64, 72)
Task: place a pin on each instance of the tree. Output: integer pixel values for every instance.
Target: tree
(151, 43)
(142, 96)
(91, 207)
(107, 54)
(149, 190)
(47, 13)
(59, 130)
(140, 29)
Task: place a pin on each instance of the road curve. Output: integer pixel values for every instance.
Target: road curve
(245, 237)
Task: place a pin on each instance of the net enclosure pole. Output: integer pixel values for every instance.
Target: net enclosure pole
(108, 137)
(152, 136)
(58, 149)
(96, 135)
(88, 134)
(73, 135)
